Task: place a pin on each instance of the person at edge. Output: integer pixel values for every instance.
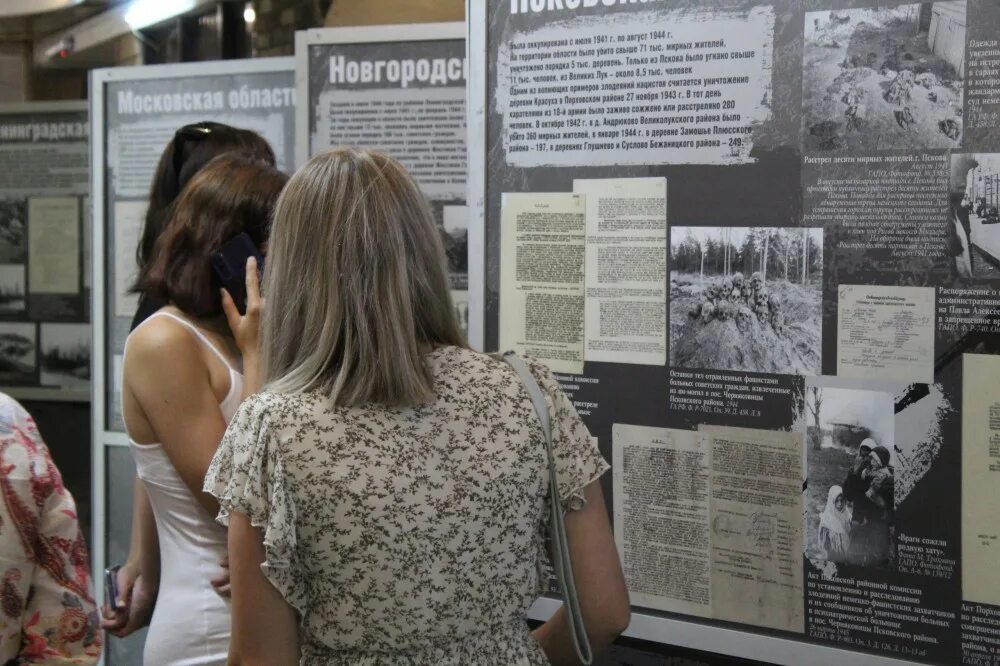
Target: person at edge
(47, 598)
(190, 149)
(386, 492)
(182, 383)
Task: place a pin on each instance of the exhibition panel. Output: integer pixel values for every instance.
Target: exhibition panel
(757, 241)
(399, 89)
(44, 251)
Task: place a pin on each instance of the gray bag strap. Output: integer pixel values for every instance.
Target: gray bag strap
(560, 545)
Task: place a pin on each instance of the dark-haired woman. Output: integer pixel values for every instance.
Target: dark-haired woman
(191, 148)
(188, 151)
(182, 384)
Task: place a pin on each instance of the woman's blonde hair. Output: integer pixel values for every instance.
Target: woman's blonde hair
(356, 284)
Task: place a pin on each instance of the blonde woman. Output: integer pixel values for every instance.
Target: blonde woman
(385, 493)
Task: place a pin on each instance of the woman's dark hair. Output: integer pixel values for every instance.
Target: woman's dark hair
(191, 148)
(230, 195)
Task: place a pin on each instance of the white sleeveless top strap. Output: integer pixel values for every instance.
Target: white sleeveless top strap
(232, 401)
(194, 329)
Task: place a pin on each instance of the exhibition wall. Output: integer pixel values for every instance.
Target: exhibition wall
(757, 242)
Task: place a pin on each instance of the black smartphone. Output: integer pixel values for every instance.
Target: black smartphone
(230, 264)
(111, 586)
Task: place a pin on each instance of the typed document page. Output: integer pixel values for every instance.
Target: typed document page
(541, 278)
(980, 478)
(625, 269)
(661, 502)
(54, 245)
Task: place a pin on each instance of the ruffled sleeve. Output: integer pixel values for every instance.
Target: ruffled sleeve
(577, 458)
(247, 476)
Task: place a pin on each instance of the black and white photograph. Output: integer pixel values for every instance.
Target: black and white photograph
(746, 298)
(18, 352)
(13, 230)
(851, 460)
(65, 355)
(974, 230)
(453, 221)
(884, 78)
(461, 301)
(12, 289)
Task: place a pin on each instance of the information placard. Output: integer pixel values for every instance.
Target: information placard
(401, 90)
(140, 108)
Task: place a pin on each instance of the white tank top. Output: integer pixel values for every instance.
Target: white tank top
(191, 623)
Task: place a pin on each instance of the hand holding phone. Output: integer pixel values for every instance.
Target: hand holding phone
(229, 264)
(111, 587)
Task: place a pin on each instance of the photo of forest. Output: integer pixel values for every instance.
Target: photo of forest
(746, 298)
(65, 358)
(12, 289)
(17, 352)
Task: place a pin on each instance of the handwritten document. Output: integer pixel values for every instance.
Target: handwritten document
(885, 332)
(756, 511)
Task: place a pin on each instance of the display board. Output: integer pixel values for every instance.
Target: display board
(758, 241)
(141, 108)
(44, 251)
(134, 113)
(399, 89)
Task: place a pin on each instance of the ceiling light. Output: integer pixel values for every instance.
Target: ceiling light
(144, 13)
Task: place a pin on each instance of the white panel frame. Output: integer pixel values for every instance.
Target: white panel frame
(645, 625)
(731, 642)
(475, 108)
(417, 32)
(102, 438)
(42, 393)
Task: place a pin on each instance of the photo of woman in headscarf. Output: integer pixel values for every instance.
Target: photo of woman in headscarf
(835, 527)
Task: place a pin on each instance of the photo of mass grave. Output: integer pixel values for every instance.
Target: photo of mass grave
(884, 78)
(746, 298)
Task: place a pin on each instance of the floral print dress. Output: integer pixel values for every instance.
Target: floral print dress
(47, 610)
(408, 535)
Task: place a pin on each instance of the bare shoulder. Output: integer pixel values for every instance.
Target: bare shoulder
(162, 343)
